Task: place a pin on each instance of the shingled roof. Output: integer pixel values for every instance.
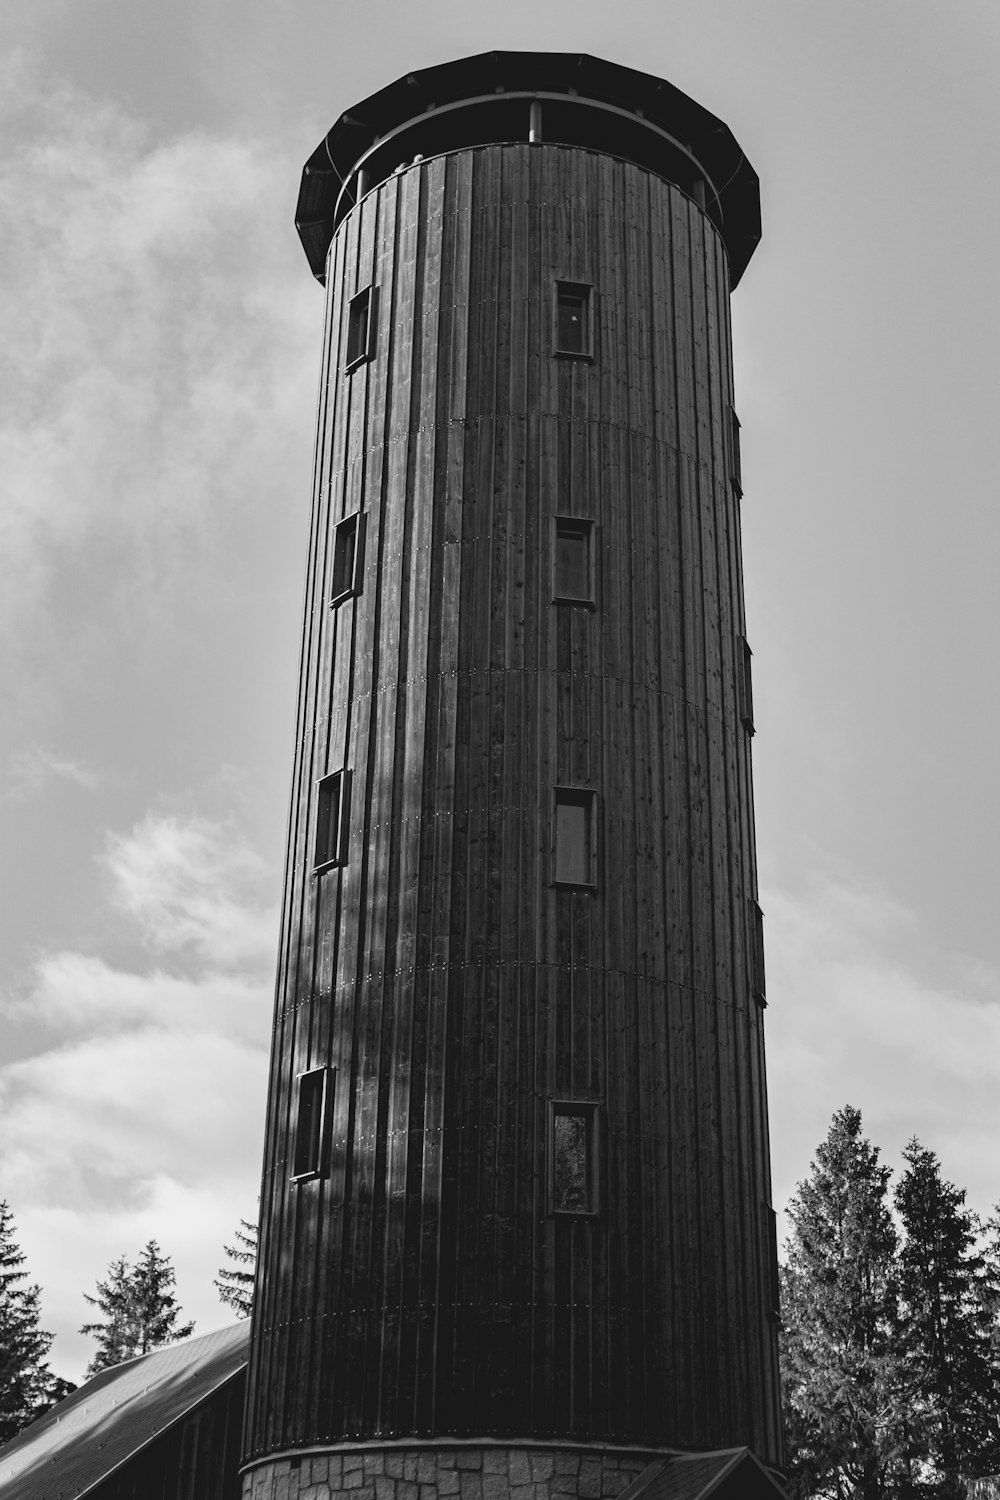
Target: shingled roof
(76, 1445)
(725, 1474)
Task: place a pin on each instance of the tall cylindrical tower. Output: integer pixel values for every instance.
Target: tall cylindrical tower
(515, 1220)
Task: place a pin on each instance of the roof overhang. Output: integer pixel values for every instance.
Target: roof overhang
(583, 100)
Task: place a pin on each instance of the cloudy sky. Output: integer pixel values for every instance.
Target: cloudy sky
(159, 355)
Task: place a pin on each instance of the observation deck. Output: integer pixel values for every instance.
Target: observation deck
(564, 98)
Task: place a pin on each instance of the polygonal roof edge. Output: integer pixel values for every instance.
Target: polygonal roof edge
(571, 73)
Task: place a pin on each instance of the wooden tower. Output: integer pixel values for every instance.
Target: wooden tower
(516, 1226)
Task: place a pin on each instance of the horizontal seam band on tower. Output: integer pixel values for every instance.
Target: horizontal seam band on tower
(383, 976)
(500, 414)
(349, 1445)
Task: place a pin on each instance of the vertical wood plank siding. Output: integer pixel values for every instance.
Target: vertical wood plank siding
(419, 1286)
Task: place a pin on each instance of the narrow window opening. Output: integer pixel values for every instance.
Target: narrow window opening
(348, 548)
(572, 1158)
(745, 682)
(331, 820)
(360, 328)
(735, 464)
(757, 954)
(573, 318)
(313, 1104)
(573, 561)
(575, 836)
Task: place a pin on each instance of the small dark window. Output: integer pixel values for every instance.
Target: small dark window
(348, 557)
(757, 953)
(575, 836)
(773, 1274)
(572, 561)
(310, 1118)
(331, 820)
(573, 318)
(360, 328)
(743, 655)
(572, 1164)
(735, 466)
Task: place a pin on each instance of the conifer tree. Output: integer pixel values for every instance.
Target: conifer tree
(991, 1286)
(157, 1306)
(27, 1386)
(842, 1375)
(946, 1290)
(115, 1335)
(139, 1309)
(234, 1283)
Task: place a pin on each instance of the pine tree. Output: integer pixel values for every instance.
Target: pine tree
(27, 1386)
(157, 1306)
(235, 1285)
(116, 1334)
(139, 1309)
(841, 1373)
(944, 1296)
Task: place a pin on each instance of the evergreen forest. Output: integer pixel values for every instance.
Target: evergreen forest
(890, 1330)
(889, 1333)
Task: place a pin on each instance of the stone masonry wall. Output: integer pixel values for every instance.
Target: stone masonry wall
(462, 1473)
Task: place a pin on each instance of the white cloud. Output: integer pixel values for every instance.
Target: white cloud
(140, 1111)
(152, 342)
(190, 884)
(854, 1019)
(31, 770)
(76, 994)
(96, 1121)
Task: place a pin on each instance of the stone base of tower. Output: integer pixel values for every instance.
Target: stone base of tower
(468, 1472)
(498, 1472)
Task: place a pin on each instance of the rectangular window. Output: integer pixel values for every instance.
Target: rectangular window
(572, 560)
(735, 465)
(758, 987)
(314, 1101)
(331, 820)
(743, 655)
(572, 1158)
(773, 1274)
(360, 328)
(575, 836)
(348, 558)
(573, 309)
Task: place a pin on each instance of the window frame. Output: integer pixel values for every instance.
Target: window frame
(368, 296)
(587, 291)
(356, 522)
(585, 525)
(758, 985)
(735, 461)
(342, 795)
(590, 1109)
(744, 683)
(317, 1163)
(569, 793)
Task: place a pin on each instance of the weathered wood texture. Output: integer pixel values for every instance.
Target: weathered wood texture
(418, 1287)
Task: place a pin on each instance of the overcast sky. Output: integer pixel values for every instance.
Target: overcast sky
(159, 352)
